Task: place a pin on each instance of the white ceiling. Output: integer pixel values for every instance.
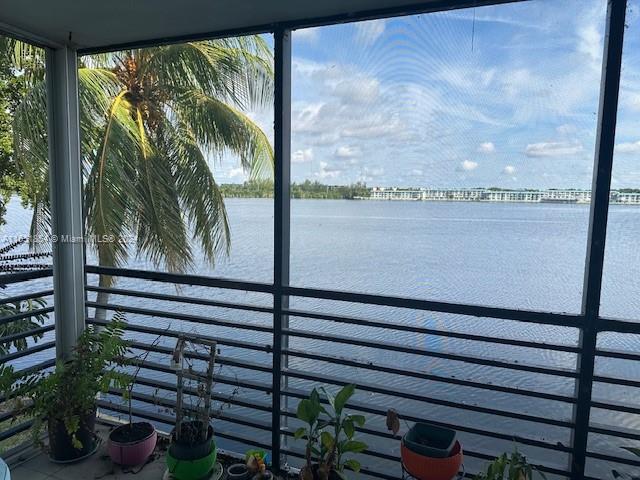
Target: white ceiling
(103, 23)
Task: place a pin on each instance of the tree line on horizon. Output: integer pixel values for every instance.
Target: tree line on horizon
(303, 190)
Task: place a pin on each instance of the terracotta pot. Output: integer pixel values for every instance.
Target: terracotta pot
(432, 468)
(137, 449)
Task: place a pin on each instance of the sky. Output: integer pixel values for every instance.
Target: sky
(492, 96)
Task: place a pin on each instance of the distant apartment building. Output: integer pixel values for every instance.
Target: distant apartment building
(495, 195)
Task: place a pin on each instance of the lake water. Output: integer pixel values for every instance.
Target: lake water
(508, 255)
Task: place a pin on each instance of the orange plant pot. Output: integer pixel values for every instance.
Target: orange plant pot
(431, 468)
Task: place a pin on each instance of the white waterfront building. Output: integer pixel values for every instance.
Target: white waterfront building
(495, 195)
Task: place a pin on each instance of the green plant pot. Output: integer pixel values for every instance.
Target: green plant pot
(196, 469)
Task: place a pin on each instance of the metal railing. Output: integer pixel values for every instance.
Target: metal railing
(327, 358)
(39, 354)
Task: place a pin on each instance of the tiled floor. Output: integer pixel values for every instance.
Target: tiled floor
(97, 467)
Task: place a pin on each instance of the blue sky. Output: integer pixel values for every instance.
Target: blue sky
(493, 96)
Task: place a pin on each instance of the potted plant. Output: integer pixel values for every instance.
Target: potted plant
(192, 453)
(510, 467)
(427, 452)
(65, 399)
(134, 442)
(257, 462)
(329, 439)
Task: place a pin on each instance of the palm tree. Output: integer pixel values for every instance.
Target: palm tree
(150, 119)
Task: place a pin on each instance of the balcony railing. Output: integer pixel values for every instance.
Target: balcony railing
(460, 384)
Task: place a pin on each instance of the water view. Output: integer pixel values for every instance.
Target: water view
(509, 255)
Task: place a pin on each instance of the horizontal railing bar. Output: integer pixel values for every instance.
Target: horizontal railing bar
(426, 376)
(253, 385)
(150, 382)
(177, 333)
(389, 436)
(627, 382)
(618, 326)
(179, 316)
(221, 360)
(615, 406)
(169, 403)
(27, 351)
(15, 430)
(612, 458)
(620, 354)
(30, 313)
(28, 333)
(378, 411)
(620, 432)
(182, 279)
(26, 296)
(428, 331)
(546, 318)
(171, 421)
(10, 278)
(396, 347)
(179, 298)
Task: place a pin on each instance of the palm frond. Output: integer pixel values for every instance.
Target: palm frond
(219, 127)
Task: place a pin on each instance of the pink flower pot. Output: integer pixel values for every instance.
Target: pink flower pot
(132, 444)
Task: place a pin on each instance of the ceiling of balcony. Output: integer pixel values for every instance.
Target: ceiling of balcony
(104, 23)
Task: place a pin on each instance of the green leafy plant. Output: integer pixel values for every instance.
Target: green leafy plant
(331, 438)
(510, 467)
(68, 393)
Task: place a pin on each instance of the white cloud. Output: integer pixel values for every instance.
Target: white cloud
(509, 170)
(358, 90)
(566, 129)
(348, 151)
(469, 165)
(628, 147)
(486, 147)
(302, 156)
(417, 172)
(307, 34)
(236, 172)
(590, 42)
(370, 174)
(326, 171)
(553, 149)
(368, 32)
(632, 101)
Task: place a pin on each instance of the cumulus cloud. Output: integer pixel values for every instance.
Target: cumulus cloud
(327, 171)
(348, 151)
(307, 34)
(486, 147)
(370, 174)
(509, 170)
(468, 165)
(368, 32)
(358, 90)
(236, 172)
(302, 156)
(631, 101)
(553, 149)
(628, 147)
(566, 129)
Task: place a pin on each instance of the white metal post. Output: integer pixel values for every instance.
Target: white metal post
(65, 187)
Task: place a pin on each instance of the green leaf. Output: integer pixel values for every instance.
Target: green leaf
(358, 419)
(343, 397)
(327, 440)
(300, 433)
(306, 412)
(634, 450)
(348, 427)
(330, 397)
(353, 465)
(354, 446)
